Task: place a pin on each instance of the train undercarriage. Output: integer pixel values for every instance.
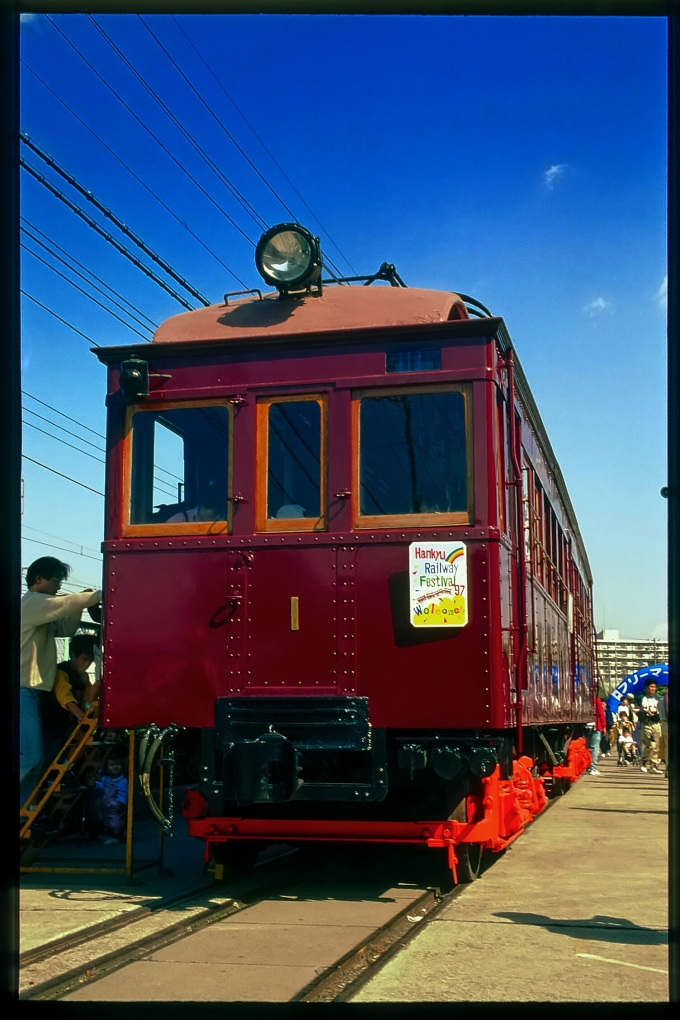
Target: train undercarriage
(292, 770)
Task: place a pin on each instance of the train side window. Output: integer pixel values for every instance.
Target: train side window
(179, 468)
(414, 462)
(291, 463)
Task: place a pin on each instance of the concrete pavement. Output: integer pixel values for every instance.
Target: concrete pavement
(575, 911)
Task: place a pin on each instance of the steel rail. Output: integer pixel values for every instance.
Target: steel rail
(342, 980)
(75, 938)
(59, 985)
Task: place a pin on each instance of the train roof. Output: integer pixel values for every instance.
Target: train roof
(338, 309)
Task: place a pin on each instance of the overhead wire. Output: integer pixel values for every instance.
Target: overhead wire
(67, 431)
(82, 291)
(123, 227)
(60, 440)
(152, 325)
(130, 170)
(217, 119)
(59, 538)
(273, 159)
(68, 417)
(216, 169)
(104, 233)
(67, 477)
(193, 142)
(157, 140)
(160, 483)
(73, 580)
(36, 541)
(329, 261)
(219, 173)
(101, 449)
(70, 326)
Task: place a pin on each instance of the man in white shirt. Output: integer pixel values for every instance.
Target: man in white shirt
(663, 719)
(44, 616)
(650, 728)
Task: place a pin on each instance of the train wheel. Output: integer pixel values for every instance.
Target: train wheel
(469, 861)
(557, 788)
(239, 857)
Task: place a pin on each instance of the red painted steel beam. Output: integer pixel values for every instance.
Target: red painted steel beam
(503, 811)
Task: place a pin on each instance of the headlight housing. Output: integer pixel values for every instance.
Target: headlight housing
(288, 257)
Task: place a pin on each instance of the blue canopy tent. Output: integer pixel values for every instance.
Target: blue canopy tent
(635, 684)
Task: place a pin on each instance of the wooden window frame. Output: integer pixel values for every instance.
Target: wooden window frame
(374, 521)
(501, 488)
(550, 550)
(539, 554)
(264, 524)
(527, 513)
(166, 530)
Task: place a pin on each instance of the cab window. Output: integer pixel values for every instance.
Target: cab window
(291, 463)
(180, 466)
(414, 461)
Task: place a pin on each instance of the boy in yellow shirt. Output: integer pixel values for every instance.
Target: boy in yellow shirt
(71, 695)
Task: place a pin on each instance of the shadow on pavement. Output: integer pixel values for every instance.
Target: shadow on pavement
(598, 928)
(621, 810)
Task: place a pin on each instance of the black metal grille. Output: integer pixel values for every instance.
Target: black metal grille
(323, 723)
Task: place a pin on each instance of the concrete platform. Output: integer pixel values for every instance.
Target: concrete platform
(55, 905)
(575, 911)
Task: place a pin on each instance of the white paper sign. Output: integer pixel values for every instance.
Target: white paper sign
(438, 584)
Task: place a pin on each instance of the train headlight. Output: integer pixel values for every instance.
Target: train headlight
(134, 378)
(288, 257)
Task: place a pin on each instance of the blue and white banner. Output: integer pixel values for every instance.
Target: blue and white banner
(635, 684)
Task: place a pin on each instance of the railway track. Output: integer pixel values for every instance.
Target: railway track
(51, 970)
(311, 926)
(79, 965)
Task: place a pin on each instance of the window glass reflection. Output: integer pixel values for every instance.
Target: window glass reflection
(413, 455)
(180, 465)
(294, 460)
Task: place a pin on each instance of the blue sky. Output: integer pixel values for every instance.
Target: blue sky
(518, 160)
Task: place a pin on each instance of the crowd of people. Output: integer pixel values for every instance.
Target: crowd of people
(637, 733)
(55, 696)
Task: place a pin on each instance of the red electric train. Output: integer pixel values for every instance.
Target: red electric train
(339, 545)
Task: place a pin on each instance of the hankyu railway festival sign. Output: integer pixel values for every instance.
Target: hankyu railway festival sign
(438, 584)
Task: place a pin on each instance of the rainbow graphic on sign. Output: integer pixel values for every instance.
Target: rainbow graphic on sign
(438, 590)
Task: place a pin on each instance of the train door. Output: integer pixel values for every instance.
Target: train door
(290, 643)
(283, 635)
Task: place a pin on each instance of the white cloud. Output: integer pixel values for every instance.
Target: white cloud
(598, 306)
(660, 632)
(662, 293)
(553, 174)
